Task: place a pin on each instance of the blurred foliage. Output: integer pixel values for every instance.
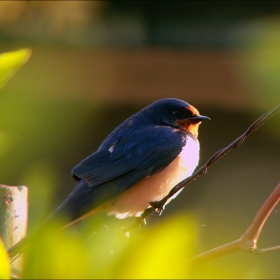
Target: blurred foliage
(10, 62)
(262, 60)
(102, 250)
(58, 20)
(261, 67)
(39, 135)
(41, 174)
(4, 261)
(134, 23)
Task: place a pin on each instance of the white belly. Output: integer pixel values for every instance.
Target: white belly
(136, 199)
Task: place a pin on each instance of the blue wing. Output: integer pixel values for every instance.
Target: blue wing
(105, 174)
(148, 150)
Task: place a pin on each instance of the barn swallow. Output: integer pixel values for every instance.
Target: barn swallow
(139, 162)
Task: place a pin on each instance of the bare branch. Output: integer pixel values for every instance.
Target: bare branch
(255, 228)
(223, 250)
(268, 250)
(248, 241)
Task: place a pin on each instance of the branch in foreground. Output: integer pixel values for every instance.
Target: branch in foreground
(158, 206)
(248, 241)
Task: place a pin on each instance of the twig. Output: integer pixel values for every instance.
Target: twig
(158, 206)
(255, 228)
(225, 249)
(248, 241)
(268, 250)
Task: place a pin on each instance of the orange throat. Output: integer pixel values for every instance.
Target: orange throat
(193, 129)
(189, 126)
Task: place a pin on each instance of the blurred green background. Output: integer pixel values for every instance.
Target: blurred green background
(94, 63)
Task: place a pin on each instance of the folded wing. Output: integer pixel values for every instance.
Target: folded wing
(109, 172)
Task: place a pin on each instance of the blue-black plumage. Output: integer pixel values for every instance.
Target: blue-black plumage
(138, 162)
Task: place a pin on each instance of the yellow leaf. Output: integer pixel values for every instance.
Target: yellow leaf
(5, 270)
(10, 62)
(161, 252)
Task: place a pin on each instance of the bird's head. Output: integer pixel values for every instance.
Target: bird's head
(176, 113)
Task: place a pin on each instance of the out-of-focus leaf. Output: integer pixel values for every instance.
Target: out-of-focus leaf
(10, 62)
(157, 252)
(5, 141)
(5, 271)
(40, 178)
(57, 255)
(160, 252)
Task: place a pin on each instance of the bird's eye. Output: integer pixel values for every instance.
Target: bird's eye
(182, 113)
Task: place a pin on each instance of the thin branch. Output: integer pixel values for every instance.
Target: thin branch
(158, 206)
(255, 228)
(268, 250)
(217, 252)
(248, 241)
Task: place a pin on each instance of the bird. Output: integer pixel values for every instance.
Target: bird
(139, 162)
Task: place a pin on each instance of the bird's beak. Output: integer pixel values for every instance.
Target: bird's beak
(199, 118)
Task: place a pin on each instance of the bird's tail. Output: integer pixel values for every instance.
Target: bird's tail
(70, 212)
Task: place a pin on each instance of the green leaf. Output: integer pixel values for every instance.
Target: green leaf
(10, 62)
(5, 271)
(159, 251)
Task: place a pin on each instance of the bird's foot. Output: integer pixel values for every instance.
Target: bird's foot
(138, 222)
(157, 207)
